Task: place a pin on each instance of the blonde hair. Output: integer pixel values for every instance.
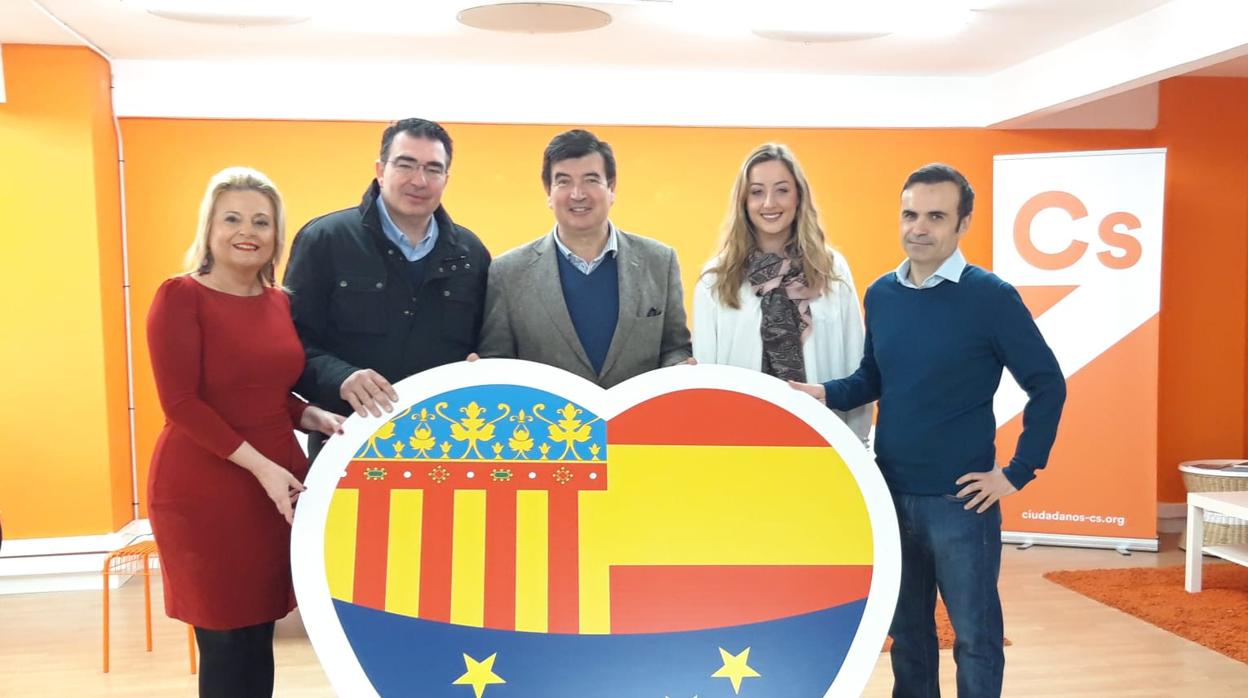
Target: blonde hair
(199, 256)
(738, 239)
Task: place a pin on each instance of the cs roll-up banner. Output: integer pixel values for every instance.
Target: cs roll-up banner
(1079, 236)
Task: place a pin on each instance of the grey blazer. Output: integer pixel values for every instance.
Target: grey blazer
(526, 317)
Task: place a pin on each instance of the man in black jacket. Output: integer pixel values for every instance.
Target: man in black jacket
(391, 287)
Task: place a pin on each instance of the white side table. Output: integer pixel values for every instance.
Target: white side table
(1228, 503)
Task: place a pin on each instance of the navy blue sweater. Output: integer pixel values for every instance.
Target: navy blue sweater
(933, 359)
(593, 301)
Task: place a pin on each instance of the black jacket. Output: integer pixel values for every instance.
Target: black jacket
(354, 306)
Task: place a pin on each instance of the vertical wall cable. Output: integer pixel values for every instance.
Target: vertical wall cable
(125, 251)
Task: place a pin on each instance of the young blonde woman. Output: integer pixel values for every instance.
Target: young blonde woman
(226, 469)
(776, 298)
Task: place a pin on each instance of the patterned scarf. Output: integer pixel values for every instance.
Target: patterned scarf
(781, 285)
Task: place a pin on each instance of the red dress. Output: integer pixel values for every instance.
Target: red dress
(224, 366)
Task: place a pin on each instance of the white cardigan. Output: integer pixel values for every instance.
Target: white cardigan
(723, 335)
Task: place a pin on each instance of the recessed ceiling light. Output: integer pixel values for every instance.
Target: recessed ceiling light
(233, 12)
(814, 36)
(534, 17)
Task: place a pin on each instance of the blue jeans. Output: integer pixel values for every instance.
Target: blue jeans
(945, 547)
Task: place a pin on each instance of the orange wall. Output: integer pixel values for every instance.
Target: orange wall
(673, 185)
(1204, 293)
(66, 467)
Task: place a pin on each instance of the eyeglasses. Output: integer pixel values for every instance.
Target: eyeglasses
(407, 167)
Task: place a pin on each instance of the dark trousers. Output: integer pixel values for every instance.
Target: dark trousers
(316, 441)
(945, 547)
(236, 663)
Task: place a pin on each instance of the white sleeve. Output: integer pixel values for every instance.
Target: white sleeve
(705, 318)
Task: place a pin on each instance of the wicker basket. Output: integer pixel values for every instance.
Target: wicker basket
(1219, 529)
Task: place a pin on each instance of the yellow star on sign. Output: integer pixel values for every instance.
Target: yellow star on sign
(480, 674)
(735, 668)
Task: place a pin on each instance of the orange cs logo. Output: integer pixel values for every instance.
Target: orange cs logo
(1111, 231)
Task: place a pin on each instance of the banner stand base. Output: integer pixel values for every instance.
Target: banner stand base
(1122, 545)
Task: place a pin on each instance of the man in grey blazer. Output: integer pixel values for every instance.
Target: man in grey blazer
(587, 297)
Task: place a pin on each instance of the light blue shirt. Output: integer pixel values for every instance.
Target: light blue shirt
(410, 252)
(581, 265)
(949, 270)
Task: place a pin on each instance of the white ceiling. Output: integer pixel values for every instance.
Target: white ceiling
(1013, 60)
(641, 34)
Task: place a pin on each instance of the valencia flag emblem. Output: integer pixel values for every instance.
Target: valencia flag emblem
(512, 531)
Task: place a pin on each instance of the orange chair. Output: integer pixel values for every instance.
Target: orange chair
(134, 560)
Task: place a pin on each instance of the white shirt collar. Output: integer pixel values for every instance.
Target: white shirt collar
(949, 270)
(585, 267)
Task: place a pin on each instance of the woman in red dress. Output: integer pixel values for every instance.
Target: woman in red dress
(227, 469)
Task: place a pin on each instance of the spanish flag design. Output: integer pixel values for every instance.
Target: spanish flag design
(502, 540)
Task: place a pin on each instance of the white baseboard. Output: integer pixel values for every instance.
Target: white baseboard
(71, 563)
(1171, 517)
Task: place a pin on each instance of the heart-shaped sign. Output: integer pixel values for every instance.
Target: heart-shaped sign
(513, 531)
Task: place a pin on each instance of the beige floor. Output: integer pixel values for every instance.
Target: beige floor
(1064, 644)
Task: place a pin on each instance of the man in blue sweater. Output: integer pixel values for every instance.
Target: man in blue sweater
(939, 332)
(586, 297)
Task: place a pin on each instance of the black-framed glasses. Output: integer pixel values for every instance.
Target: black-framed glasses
(434, 171)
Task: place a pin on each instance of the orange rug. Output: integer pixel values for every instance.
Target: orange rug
(944, 630)
(1217, 617)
